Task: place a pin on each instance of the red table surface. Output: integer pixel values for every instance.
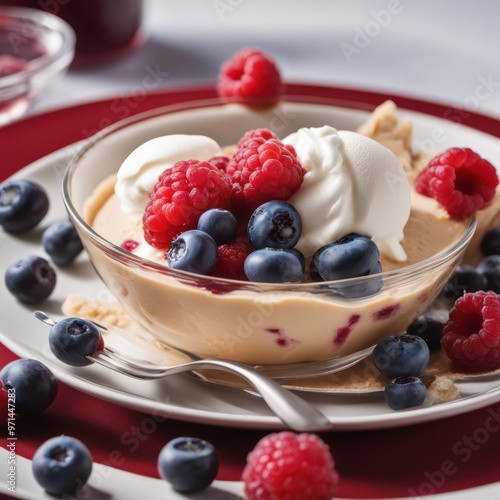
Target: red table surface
(445, 455)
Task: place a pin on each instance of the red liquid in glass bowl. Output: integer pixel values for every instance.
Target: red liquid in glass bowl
(103, 28)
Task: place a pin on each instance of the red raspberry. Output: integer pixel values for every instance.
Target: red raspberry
(182, 193)
(290, 466)
(471, 336)
(252, 75)
(263, 172)
(231, 259)
(129, 245)
(256, 137)
(220, 162)
(460, 180)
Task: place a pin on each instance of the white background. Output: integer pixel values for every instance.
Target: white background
(440, 50)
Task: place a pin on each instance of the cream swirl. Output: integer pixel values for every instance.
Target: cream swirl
(352, 184)
(141, 169)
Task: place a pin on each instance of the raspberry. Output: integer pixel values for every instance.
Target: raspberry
(471, 336)
(231, 259)
(182, 193)
(256, 137)
(252, 75)
(263, 170)
(129, 245)
(220, 162)
(290, 466)
(460, 180)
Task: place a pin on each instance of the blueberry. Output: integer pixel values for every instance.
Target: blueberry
(72, 339)
(274, 265)
(220, 224)
(61, 242)
(401, 355)
(23, 204)
(405, 392)
(275, 224)
(188, 464)
(490, 244)
(34, 384)
(352, 256)
(465, 279)
(489, 267)
(300, 257)
(61, 465)
(193, 251)
(430, 329)
(30, 279)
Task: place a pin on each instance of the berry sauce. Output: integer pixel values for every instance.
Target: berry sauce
(342, 332)
(281, 338)
(386, 312)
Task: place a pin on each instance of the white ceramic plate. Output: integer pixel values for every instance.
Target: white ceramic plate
(182, 397)
(107, 483)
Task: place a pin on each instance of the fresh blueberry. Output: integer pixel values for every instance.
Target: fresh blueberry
(220, 224)
(30, 279)
(72, 339)
(489, 267)
(275, 224)
(188, 464)
(61, 465)
(430, 329)
(401, 355)
(364, 287)
(193, 251)
(34, 384)
(490, 244)
(274, 265)
(23, 204)
(61, 242)
(465, 279)
(405, 392)
(300, 257)
(352, 256)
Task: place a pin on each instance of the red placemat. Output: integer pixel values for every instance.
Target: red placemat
(445, 455)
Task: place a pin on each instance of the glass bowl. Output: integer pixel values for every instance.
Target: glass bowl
(255, 323)
(36, 48)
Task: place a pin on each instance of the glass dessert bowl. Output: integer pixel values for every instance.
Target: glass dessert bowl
(255, 323)
(36, 48)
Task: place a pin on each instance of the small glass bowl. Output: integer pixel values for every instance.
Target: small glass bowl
(36, 48)
(255, 323)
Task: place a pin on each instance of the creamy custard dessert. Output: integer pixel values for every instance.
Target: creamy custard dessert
(261, 323)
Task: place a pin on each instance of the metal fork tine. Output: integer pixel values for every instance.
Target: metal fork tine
(117, 365)
(143, 367)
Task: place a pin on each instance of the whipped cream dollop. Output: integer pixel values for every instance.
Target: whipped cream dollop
(140, 171)
(352, 184)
